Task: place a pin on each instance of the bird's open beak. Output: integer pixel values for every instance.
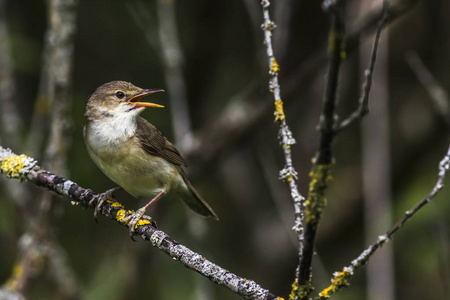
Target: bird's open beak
(135, 99)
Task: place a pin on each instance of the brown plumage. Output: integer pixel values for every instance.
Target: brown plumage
(134, 153)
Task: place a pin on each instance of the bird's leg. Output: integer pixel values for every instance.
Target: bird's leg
(139, 214)
(101, 198)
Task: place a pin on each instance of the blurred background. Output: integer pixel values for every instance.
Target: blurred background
(210, 58)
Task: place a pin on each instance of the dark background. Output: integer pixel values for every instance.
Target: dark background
(224, 60)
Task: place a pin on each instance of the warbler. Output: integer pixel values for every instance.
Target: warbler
(132, 152)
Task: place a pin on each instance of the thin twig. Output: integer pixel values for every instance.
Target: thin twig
(285, 135)
(24, 168)
(340, 279)
(375, 158)
(363, 108)
(438, 94)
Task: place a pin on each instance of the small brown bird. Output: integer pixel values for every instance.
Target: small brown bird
(132, 152)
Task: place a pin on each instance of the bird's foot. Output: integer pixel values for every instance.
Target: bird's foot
(101, 198)
(134, 218)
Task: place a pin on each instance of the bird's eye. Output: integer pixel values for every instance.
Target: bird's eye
(120, 94)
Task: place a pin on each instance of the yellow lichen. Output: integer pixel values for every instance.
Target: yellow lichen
(340, 280)
(13, 165)
(300, 292)
(17, 272)
(333, 38)
(115, 204)
(294, 290)
(316, 201)
(279, 112)
(121, 214)
(275, 67)
(142, 222)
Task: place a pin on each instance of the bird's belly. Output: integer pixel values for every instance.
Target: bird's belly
(139, 173)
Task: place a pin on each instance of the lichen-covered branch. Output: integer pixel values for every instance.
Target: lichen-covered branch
(285, 135)
(24, 168)
(340, 279)
(322, 163)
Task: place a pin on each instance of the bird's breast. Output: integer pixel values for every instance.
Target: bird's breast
(126, 163)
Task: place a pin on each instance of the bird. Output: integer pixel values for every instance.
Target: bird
(134, 153)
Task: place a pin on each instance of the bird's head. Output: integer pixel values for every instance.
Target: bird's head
(118, 99)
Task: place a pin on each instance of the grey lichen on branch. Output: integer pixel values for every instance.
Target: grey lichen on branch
(285, 136)
(24, 168)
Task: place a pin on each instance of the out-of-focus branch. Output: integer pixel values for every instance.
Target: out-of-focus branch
(285, 135)
(57, 70)
(340, 279)
(376, 165)
(11, 127)
(173, 59)
(24, 168)
(62, 22)
(169, 48)
(438, 94)
(55, 77)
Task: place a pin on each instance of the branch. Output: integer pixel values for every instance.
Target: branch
(24, 168)
(363, 108)
(322, 163)
(340, 279)
(285, 135)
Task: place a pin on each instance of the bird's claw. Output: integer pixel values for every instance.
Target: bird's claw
(101, 198)
(134, 218)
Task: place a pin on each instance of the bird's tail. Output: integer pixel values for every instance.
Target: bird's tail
(195, 201)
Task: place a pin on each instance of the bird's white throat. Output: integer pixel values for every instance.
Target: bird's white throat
(114, 127)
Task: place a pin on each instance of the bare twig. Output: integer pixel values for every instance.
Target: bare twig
(363, 108)
(376, 173)
(285, 135)
(340, 279)
(24, 168)
(438, 94)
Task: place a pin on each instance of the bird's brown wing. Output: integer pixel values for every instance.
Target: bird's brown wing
(154, 142)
